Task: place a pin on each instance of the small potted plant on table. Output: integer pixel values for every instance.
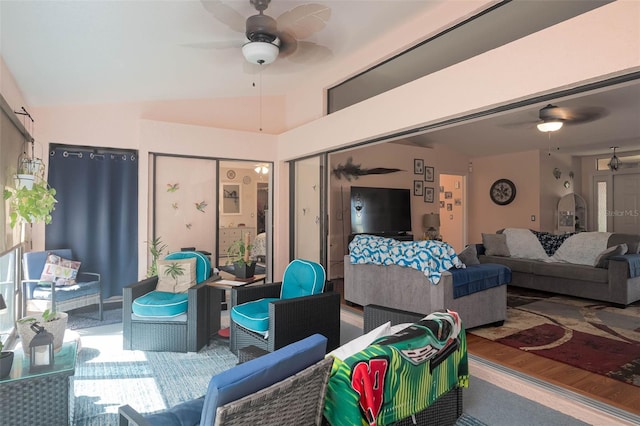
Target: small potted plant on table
(6, 362)
(239, 253)
(54, 322)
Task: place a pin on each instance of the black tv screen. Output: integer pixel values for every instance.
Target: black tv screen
(380, 210)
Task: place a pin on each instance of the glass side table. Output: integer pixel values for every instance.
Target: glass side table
(38, 398)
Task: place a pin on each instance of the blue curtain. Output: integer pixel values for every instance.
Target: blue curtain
(97, 211)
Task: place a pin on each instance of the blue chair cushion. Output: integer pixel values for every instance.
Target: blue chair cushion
(261, 372)
(203, 264)
(160, 304)
(302, 278)
(253, 315)
(67, 292)
(187, 413)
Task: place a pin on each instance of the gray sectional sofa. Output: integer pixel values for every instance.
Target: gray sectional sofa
(618, 284)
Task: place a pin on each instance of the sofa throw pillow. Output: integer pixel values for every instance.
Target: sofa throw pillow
(602, 261)
(58, 270)
(176, 276)
(469, 256)
(495, 245)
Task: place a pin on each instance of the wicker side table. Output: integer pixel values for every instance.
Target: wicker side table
(250, 352)
(38, 399)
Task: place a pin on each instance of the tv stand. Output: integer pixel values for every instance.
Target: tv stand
(400, 236)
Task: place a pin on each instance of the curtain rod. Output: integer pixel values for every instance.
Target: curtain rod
(8, 111)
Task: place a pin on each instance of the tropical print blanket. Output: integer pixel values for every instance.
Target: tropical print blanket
(429, 256)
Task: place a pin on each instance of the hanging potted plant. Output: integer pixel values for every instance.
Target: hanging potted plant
(31, 205)
(239, 253)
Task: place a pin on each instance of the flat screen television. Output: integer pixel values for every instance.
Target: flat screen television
(380, 210)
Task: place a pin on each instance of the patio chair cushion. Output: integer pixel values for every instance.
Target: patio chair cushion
(160, 304)
(254, 315)
(203, 264)
(302, 278)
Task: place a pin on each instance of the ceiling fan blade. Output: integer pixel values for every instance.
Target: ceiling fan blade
(585, 114)
(225, 14)
(310, 53)
(302, 21)
(288, 44)
(216, 45)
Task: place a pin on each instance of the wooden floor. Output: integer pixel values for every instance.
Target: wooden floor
(595, 386)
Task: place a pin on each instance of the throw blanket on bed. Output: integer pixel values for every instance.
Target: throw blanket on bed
(430, 257)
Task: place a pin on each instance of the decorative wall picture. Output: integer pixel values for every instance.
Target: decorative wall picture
(441, 188)
(231, 198)
(428, 174)
(428, 194)
(201, 206)
(457, 184)
(418, 166)
(350, 170)
(449, 207)
(458, 202)
(448, 194)
(417, 188)
(442, 204)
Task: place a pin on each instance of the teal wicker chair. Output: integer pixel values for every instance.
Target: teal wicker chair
(299, 306)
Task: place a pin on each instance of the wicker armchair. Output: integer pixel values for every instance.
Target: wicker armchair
(188, 334)
(296, 379)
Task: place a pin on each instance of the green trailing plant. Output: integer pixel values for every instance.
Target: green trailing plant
(239, 252)
(31, 205)
(174, 270)
(156, 249)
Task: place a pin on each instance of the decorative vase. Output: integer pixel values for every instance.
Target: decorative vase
(56, 327)
(244, 270)
(6, 362)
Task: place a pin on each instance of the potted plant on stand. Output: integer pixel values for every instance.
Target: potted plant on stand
(239, 253)
(54, 322)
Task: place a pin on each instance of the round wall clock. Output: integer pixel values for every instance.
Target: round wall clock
(231, 174)
(502, 192)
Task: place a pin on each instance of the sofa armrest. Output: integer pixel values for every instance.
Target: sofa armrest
(128, 416)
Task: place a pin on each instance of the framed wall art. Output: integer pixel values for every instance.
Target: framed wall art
(418, 166)
(428, 194)
(418, 186)
(428, 174)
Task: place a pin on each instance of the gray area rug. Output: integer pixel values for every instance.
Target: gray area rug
(88, 316)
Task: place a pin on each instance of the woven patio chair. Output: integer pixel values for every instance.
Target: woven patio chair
(299, 306)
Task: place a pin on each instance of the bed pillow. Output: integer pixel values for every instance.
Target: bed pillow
(469, 256)
(495, 245)
(602, 261)
(58, 270)
(185, 276)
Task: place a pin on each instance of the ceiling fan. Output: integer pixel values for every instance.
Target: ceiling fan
(266, 39)
(551, 117)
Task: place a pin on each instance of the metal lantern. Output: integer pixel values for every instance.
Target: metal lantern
(41, 350)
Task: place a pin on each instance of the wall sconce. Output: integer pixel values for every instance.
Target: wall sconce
(358, 205)
(431, 223)
(614, 163)
(41, 350)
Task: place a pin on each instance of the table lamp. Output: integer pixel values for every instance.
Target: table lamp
(431, 223)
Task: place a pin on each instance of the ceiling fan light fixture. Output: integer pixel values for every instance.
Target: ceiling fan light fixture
(260, 52)
(550, 125)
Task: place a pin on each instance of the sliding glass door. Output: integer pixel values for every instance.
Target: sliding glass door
(308, 209)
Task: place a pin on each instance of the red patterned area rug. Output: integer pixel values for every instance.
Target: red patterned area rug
(583, 333)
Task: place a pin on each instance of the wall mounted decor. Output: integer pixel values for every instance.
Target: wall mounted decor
(173, 187)
(350, 170)
(428, 194)
(418, 166)
(502, 192)
(457, 202)
(231, 198)
(557, 173)
(448, 194)
(231, 174)
(201, 205)
(449, 207)
(428, 174)
(174, 206)
(418, 188)
(442, 204)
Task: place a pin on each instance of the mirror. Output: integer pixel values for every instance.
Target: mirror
(231, 198)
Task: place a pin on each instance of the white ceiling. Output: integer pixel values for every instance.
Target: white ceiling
(95, 51)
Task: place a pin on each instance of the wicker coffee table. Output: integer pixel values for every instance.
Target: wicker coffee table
(38, 398)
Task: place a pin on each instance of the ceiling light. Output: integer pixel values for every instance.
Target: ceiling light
(614, 163)
(550, 125)
(261, 170)
(261, 52)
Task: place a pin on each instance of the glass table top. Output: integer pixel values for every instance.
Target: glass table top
(64, 361)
